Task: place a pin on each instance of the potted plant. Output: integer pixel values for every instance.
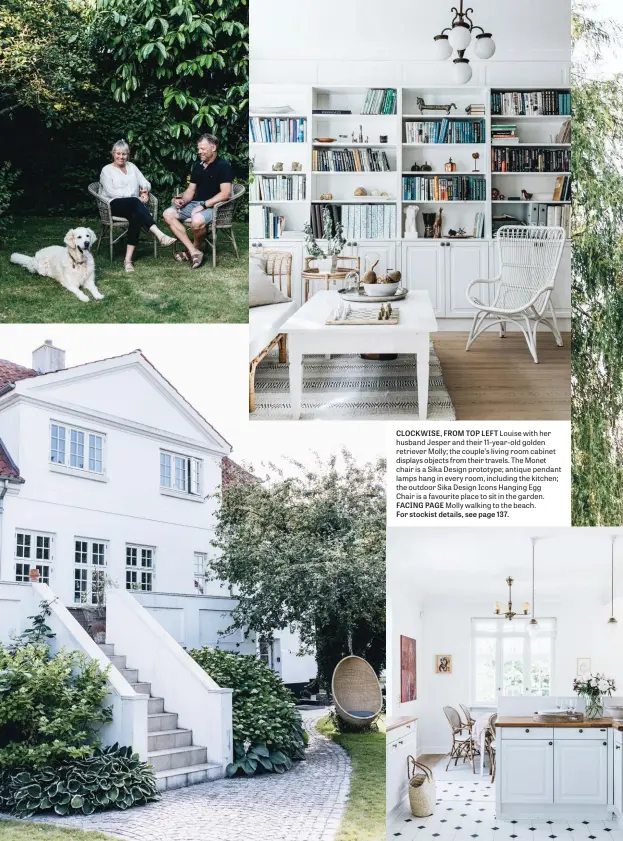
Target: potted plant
(334, 237)
(592, 689)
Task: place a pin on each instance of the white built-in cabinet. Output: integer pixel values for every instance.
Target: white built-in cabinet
(581, 771)
(618, 772)
(385, 250)
(424, 268)
(527, 771)
(401, 742)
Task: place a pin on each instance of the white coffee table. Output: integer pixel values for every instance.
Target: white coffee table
(308, 333)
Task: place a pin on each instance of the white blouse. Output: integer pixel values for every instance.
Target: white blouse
(116, 185)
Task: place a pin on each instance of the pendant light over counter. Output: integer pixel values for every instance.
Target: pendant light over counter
(612, 621)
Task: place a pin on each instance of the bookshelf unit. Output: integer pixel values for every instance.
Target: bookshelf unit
(446, 266)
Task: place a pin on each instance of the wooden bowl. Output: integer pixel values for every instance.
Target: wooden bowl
(325, 140)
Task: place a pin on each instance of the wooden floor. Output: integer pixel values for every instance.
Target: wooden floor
(498, 380)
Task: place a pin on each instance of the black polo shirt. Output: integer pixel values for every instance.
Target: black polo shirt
(209, 178)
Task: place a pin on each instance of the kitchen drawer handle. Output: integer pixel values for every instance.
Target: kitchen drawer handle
(527, 730)
(401, 742)
(581, 731)
(618, 747)
(550, 743)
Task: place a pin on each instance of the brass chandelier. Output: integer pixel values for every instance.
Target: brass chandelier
(510, 613)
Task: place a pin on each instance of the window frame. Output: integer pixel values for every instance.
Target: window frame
(91, 569)
(88, 436)
(31, 561)
(147, 573)
(184, 474)
(503, 629)
(200, 578)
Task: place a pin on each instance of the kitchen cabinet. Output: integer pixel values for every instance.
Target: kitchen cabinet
(580, 771)
(424, 267)
(401, 742)
(618, 772)
(527, 771)
(386, 252)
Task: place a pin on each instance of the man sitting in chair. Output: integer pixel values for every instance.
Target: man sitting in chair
(210, 183)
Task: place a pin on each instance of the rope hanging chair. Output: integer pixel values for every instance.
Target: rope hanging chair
(356, 692)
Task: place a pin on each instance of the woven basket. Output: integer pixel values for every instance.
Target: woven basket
(422, 789)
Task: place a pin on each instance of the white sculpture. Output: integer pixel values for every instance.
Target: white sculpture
(410, 222)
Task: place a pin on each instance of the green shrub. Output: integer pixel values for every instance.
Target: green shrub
(8, 177)
(268, 732)
(112, 778)
(50, 706)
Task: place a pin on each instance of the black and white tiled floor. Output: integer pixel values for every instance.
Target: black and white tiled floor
(465, 811)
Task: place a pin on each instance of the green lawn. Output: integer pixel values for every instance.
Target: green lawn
(364, 819)
(160, 290)
(28, 831)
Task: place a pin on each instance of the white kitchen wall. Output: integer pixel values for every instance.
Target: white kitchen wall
(444, 628)
(403, 618)
(364, 42)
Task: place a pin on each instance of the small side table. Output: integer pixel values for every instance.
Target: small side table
(351, 264)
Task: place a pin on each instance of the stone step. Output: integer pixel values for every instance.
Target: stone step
(141, 688)
(118, 661)
(193, 775)
(156, 705)
(107, 648)
(165, 760)
(131, 675)
(168, 739)
(161, 721)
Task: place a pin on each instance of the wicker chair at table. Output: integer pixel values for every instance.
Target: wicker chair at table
(490, 744)
(462, 739)
(469, 721)
(279, 269)
(529, 258)
(109, 222)
(356, 692)
(223, 215)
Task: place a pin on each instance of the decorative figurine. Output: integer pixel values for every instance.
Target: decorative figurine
(383, 138)
(475, 156)
(437, 225)
(278, 167)
(527, 196)
(360, 135)
(423, 107)
(296, 166)
(495, 194)
(429, 224)
(410, 221)
(416, 168)
(360, 191)
(426, 167)
(326, 196)
(450, 166)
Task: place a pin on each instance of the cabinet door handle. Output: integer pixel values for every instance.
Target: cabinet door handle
(618, 747)
(401, 742)
(581, 731)
(605, 744)
(550, 743)
(527, 730)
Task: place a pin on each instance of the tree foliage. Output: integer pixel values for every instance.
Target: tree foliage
(597, 297)
(308, 552)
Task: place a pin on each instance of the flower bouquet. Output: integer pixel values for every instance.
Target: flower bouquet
(592, 689)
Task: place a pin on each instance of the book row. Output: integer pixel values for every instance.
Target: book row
(445, 131)
(278, 130)
(551, 215)
(278, 188)
(273, 223)
(349, 160)
(520, 103)
(444, 188)
(505, 159)
(369, 221)
(380, 101)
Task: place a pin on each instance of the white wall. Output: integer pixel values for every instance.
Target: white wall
(364, 42)
(403, 618)
(295, 667)
(582, 631)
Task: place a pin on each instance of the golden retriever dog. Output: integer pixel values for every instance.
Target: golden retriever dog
(73, 266)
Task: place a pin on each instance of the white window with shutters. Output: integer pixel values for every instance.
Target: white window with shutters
(181, 475)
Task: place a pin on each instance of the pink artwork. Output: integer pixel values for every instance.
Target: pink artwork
(408, 688)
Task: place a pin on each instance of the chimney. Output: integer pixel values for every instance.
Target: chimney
(47, 358)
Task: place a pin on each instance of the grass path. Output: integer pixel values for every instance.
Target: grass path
(364, 819)
(26, 831)
(159, 291)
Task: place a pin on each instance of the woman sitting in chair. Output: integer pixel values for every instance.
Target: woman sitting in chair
(127, 190)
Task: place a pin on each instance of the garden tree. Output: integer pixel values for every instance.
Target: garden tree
(308, 551)
(46, 62)
(597, 297)
(191, 58)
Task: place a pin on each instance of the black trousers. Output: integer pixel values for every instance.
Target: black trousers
(136, 213)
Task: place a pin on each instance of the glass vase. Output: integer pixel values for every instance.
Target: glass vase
(594, 708)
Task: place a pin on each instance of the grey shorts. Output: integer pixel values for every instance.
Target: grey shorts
(186, 212)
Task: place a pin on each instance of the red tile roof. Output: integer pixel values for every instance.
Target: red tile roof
(8, 468)
(10, 372)
(233, 472)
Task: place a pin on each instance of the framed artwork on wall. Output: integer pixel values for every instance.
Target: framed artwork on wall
(584, 667)
(443, 664)
(408, 686)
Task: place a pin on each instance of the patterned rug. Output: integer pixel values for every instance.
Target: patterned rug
(347, 387)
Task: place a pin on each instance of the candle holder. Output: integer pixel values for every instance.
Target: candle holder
(476, 156)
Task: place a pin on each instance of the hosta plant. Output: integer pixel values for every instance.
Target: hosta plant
(112, 778)
(268, 732)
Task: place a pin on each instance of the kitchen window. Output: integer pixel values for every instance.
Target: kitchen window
(201, 576)
(89, 570)
(139, 567)
(33, 550)
(78, 449)
(507, 661)
(180, 474)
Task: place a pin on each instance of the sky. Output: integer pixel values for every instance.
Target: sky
(209, 365)
(609, 10)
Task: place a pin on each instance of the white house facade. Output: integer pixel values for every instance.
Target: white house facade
(108, 479)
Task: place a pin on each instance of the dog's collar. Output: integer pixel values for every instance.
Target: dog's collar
(73, 260)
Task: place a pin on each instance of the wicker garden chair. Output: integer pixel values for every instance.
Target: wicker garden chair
(112, 223)
(529, 258)
(223, 215)
(462, 739)
(356, 692)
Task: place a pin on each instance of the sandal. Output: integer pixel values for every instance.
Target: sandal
(129, 267)
(197, 259)
(181, 257)
(166, 241)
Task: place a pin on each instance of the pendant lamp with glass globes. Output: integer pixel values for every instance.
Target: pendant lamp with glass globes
(612, 621)
(533, 625)
(459, 38)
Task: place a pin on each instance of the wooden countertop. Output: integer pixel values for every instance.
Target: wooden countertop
(392, 723)
(528, 721)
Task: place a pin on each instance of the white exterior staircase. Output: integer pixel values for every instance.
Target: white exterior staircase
(176, 761)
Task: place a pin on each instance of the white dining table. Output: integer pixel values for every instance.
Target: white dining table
(479, 732)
